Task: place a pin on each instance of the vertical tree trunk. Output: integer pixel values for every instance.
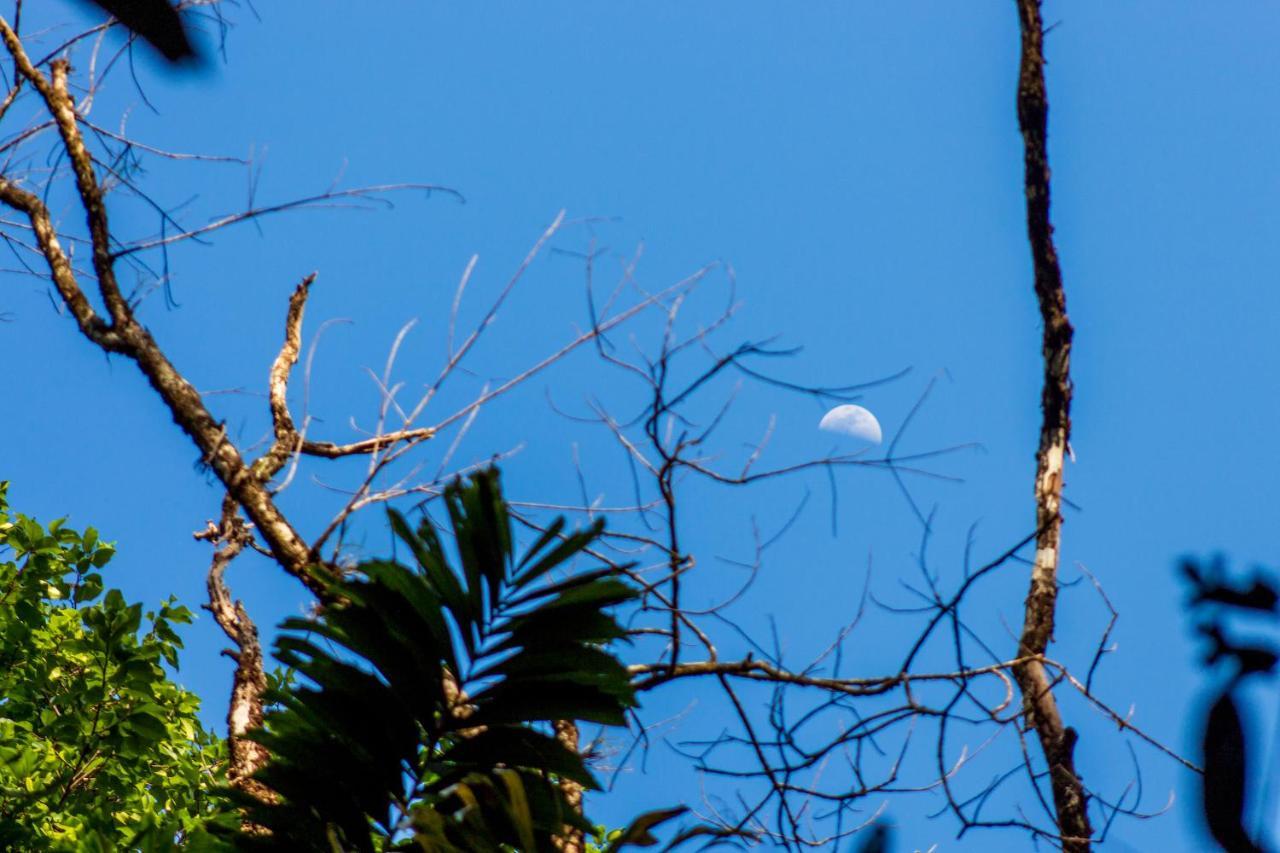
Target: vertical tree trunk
(572, 841)
(1039, 704)
(249, 682)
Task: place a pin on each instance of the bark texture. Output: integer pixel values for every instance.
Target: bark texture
(249, 681)
(1039, 704)
(572, 841)
(121, 332)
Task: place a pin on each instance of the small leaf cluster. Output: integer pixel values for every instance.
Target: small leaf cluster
(99, 748)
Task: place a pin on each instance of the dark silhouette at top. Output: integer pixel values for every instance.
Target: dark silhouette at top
(157, 22)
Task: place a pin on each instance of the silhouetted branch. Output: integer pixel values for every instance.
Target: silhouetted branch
(1041, 708)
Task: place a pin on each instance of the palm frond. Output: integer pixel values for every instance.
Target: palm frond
(374, 750)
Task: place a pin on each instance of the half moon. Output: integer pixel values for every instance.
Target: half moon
(852, 420)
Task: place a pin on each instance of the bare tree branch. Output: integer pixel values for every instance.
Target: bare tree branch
(810, 752)
(249, 681)
(1041, 707)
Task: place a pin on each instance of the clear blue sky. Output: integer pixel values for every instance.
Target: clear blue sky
(858, 165)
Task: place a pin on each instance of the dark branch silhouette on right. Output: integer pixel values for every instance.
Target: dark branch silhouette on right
(157, 22)
(1226, 746)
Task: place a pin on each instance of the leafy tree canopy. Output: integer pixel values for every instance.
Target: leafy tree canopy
(99, 748)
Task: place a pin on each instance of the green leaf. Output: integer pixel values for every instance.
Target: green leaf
(567, 701)
(553, 531)
(518, 746)
(639, 832)
(429, 554)
(90, 588)
(566, 550)
(102, 556)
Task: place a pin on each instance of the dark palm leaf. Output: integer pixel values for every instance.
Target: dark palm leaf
(369, 754)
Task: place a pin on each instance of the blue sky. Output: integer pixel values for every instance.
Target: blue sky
(858, 166)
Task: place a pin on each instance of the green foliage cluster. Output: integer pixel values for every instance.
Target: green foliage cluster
(101, 751)
(99, 748)
(369, 755)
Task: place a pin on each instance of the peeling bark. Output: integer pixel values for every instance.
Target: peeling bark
(1040, 706)
(123, 334)
(573, 840)
(249, 681)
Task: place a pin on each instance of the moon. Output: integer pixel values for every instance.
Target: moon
(852, 420)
